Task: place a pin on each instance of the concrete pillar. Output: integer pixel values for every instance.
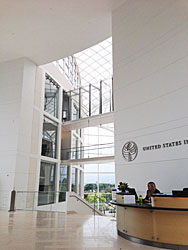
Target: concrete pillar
(58, 145)
(17, 98)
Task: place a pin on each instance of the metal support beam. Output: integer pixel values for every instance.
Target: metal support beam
(90, 99)
(112, 95)
(100, 98)
(69, 108)
(80, 100)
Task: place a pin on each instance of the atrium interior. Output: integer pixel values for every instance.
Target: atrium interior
(92, 93)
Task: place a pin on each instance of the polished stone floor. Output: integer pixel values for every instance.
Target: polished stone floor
(27, 230)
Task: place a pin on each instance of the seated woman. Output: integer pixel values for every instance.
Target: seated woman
(151, 190)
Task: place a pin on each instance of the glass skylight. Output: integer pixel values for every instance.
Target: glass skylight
(95, 63)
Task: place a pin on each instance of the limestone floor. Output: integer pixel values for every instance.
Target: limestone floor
(49, 230)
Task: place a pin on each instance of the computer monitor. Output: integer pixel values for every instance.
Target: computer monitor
(132, 191)
(180, 193)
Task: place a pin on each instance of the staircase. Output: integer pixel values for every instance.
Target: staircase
(77, 204)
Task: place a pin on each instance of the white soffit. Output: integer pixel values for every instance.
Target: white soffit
(46, 30)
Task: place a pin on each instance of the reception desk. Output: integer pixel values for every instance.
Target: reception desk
(163, 226)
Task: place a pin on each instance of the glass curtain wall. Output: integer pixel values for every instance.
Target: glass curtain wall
(77, 145)
(99, 141)
(68, 66)
(73, 187)
(46, 184)
(79, 182)
(99, 180)
(51, 96)
(49, 138)
(63, 182)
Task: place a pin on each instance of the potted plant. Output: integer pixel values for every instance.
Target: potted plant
(123, 186)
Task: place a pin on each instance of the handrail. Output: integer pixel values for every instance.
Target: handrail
(83, 152)
(93, 85)
(86, 203)
(109, 204)
(89, 100)
(88, 146)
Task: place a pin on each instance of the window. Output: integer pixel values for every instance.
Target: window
(63, 183)
(73, 188)
(75, 148)
(99, 180)
(63, 179)
(51, 96)
(75, 112)
(49, 139)
(68, 66)
(46, 184)
(79, 182)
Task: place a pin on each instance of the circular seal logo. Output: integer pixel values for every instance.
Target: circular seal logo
(130, 151)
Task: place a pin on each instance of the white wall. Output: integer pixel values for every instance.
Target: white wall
(21, 119)
(25, 126)
(10, 94)
(151, 85)
(16, 113)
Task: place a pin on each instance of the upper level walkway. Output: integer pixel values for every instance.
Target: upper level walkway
(96, 153)
(92, 160)
(91, 121)
(88, 101)
(87, 106)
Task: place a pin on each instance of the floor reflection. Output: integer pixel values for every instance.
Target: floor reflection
(37, 230)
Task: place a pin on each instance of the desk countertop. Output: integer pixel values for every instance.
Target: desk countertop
(147, 206)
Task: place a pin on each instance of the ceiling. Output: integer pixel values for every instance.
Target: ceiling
(46, 30)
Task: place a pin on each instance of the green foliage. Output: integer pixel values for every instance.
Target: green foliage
(123, 186)
(106, 187)
(103, 188)
(90, 188)
(63, 185)
(91, 198)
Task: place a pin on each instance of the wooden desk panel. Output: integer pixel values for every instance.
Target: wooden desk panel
(159, 226)
(171, 227)
(170, 202)
(139, 223)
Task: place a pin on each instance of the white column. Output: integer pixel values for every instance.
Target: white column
(17, 86)
(57, 182)
(59, 162)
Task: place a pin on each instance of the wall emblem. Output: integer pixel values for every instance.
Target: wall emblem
(130, 151)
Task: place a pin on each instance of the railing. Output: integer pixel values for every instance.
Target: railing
(88, 101)
(101, 201)
(96, 150)
(111, 211)
(4, 199)
(24, 200)
(93, 208)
